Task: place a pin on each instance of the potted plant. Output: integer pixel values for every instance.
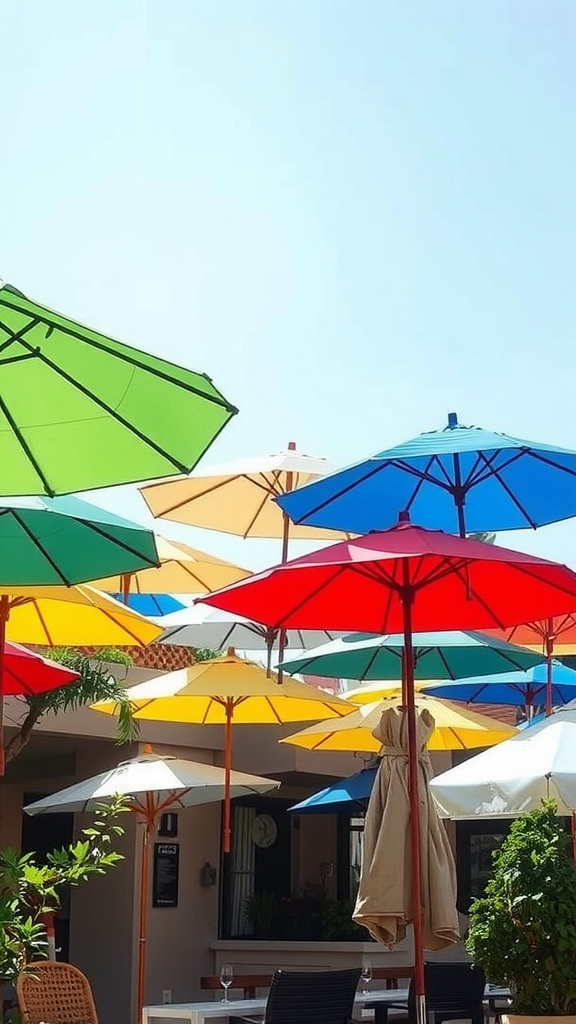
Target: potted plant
(30, 890)
(523, 929)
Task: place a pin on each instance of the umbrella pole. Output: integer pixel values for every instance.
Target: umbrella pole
(284, 558)
(407, 598)
(549, 656)
(126, 588)
(459, 497)
(143, 924)
(574, 835)
(4, 613)
(227, 770)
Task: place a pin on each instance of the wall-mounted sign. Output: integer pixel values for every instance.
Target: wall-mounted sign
(165, 879)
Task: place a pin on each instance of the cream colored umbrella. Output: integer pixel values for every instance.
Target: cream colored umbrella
(226, 690)
(153, 784)
(455, 728)
(238, 497)
(182, 570)
(385, 901)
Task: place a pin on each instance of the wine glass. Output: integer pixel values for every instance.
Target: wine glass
(366, 978)
(226, 978)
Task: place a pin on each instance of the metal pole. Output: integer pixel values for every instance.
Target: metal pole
(143, 922)
(549, 656)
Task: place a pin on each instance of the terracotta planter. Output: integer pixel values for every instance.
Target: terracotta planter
(516, 1018)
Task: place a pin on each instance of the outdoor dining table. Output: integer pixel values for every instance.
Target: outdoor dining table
(197, 1013)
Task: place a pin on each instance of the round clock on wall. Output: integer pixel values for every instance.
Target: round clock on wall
(264, 830)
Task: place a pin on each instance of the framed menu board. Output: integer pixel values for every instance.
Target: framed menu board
(165, 877)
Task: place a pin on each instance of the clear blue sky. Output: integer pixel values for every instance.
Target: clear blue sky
(355, 215)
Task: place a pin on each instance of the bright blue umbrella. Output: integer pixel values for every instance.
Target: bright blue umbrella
(340, 796)
(458, 479)
(516, 688)
(151, 604)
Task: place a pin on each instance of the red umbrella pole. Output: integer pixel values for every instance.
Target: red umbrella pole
(149, 821)
(549, 666)
(414, 807)
(227, 770)
(285, 543)
(4, 613)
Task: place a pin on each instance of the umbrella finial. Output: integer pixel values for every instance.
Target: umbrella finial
(452, 420)
(231, 652)
(291, 446)
(404, 516)
(147, 749)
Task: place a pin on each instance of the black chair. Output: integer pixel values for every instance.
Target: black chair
(454, 991)
(311, 997)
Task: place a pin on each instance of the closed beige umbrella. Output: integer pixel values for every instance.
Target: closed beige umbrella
(384, 904)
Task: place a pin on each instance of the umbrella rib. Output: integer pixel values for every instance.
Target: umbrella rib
(43, 623)
(273, 710)
(496, 474)
(119, 543)
(284, 622)
(185, 501)
(259, 507)
(457, 571)
(522, 568)
(12, 336)
(125, 357)
(371, 661)
(419, 485)
(26, 448)
(67, 581)
(110, 411)
(444, 660)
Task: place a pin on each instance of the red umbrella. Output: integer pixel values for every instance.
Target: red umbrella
(27, 673)
(404, 579)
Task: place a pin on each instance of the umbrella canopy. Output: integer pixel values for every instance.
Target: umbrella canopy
(155, 605)
(385, 901)
(154, 784)
(51, 541)
(517, 688)
(170, 781)
(405, 579)
(370, 583)
(202, 626)
(225, 690)
(554, 634)
(436, 656)
(537, 764)
(238, 497)
(182, 570)
(26, 673)
(459, 479)
(94, 420)
(455, 728)
(71, 616)
(340, 796)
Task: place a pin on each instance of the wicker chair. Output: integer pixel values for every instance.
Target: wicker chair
(55, 992)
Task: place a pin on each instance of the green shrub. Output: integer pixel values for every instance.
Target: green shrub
(523, 929)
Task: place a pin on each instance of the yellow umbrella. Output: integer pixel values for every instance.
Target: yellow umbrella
(182, 570)
(455, 728)
(368, 693)
(66, 616)
(224, 690)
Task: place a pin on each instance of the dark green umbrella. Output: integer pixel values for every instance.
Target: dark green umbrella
(55, 541)
(79, 410)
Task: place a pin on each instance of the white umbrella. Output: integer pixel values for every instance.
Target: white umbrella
(203, 626)
(153, 785)
(515, 776)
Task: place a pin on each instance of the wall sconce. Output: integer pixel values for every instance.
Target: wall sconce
(168, 825)
(207, 876)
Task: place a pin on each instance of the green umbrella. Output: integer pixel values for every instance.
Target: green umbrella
(79, 410)
(450, 655)
(55, 541)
